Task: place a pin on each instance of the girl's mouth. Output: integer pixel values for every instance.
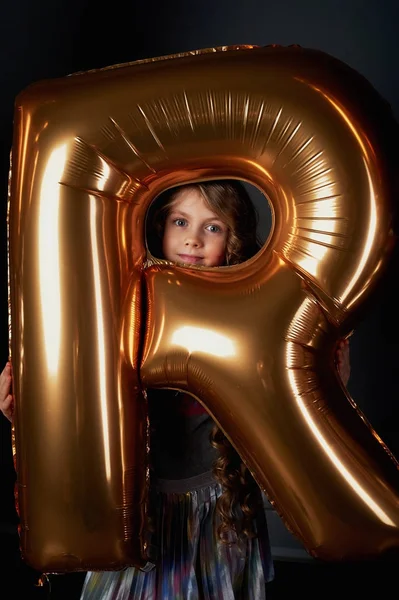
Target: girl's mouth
(190, 258)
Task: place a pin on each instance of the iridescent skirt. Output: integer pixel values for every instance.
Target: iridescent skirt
(192, 563)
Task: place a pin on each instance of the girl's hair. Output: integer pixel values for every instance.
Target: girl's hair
(231, 202)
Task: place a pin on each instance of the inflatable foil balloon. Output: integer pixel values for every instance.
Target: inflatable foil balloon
(93, 326)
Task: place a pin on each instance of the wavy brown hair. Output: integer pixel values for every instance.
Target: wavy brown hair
(241, 497)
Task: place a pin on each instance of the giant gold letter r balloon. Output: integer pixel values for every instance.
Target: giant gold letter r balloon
(253, 342)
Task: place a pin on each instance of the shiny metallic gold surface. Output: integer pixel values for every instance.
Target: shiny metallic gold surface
(255, 342)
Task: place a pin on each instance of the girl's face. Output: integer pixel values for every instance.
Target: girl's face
(193, 233)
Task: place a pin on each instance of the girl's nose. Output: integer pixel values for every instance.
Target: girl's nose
(192, 240)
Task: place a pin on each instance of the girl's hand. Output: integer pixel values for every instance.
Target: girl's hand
(343, 361)
(6, 399)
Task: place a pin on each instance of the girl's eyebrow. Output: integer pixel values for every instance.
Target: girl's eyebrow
(178, 212)
(183, 214)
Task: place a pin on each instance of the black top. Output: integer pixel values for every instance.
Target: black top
(180, 429)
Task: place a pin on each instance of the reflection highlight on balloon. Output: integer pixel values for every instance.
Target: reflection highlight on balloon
(49, 256)
(197, 339)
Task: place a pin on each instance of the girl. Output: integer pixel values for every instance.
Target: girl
(209, 527)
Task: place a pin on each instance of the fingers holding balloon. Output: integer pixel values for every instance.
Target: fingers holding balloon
(342, 360)
(6, 398)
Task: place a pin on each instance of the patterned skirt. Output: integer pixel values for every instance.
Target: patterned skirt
(192, 563)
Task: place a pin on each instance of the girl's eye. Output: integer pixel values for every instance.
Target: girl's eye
(214, 228)
(180, 222)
